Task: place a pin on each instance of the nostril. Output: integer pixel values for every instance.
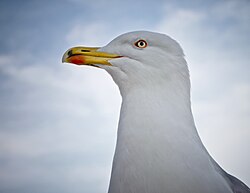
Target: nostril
(70, 53)
(85, 50)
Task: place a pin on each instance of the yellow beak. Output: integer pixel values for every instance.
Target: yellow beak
(87, 56)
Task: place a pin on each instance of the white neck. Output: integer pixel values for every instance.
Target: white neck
(158, 147)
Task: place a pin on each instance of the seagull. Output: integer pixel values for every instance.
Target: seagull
(158, 149)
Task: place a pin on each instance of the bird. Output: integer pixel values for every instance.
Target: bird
(158, 149)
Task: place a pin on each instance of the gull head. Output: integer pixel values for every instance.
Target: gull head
(139, 58)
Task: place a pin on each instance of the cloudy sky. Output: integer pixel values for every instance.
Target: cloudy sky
(58, 122)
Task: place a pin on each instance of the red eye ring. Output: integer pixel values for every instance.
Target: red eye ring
(141, 44)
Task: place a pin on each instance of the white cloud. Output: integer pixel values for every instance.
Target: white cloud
(224, 127)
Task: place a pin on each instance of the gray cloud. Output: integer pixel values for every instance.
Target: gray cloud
(50, 125)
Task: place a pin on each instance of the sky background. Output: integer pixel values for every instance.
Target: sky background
(58, 122)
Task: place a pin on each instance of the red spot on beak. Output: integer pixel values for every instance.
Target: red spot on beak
(77, 59)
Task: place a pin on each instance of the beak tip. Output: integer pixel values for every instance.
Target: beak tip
(64, 58)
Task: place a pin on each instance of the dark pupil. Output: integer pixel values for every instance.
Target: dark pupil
(141, 43)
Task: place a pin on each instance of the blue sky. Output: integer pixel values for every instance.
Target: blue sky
(58, 122)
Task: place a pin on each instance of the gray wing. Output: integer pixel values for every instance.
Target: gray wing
(237, 185)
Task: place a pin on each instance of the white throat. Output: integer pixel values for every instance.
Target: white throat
(158, 147)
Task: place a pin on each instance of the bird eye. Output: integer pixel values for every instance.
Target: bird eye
(141, 44)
